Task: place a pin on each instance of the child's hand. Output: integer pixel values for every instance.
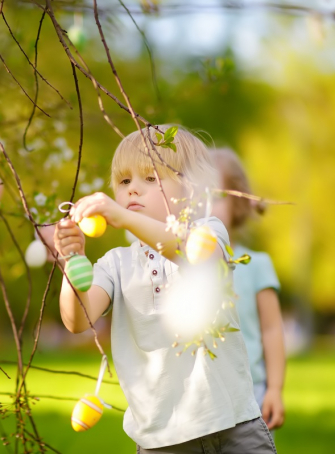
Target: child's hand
(273, 409)
(98, 203)
(69, 238)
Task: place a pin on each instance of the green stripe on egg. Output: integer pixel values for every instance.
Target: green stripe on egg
(79, 270)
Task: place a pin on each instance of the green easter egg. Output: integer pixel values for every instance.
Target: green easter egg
(79, 270)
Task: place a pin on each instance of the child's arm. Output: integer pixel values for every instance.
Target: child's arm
(148, 230)
(274, 355)
(69, 238)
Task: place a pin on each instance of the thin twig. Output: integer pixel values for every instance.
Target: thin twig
(152, 62)
(130, 107)
(81, 131)
(36, 83)
(73, 60)
(5, 372)
(18, 248)
(12, 322)
(62, 372)
(34, 66)
(18, 83)
(224, 192)
(39, 324)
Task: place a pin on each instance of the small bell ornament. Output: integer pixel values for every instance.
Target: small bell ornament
(88, 410)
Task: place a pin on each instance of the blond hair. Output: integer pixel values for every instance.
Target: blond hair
(235, 178)
(190, 164)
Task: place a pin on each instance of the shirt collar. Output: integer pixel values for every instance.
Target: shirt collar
(141, 252)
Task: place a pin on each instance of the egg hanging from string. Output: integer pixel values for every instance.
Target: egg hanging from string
(79, 271)
(36, 254)
(200, 244)
(86, 413)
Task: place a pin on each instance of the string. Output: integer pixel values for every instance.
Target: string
(100, 377)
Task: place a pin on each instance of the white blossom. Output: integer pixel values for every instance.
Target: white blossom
(97, 183)
(40, 199)
(60, 142)
(67, 154)
(85, 188)
(177, 228)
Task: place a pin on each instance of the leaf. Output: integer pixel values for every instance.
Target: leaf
(231, 329)
(171, 132)
(169, 140)
(159, 136)
(229, 250)
(180, 253)
(211, 354)
(244, 259)
(173, 147)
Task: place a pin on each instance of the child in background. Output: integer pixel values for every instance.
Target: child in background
(256, 286)
(191, 404)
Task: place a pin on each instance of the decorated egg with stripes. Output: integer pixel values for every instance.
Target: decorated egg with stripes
(93, 226)
(200, 244)
(86, 412)
(79, 270)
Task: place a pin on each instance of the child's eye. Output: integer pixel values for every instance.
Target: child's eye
(151, 179)
(125, 181)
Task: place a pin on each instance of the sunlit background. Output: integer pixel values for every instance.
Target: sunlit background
(258, 78)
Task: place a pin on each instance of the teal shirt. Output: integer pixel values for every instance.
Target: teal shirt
(250, 279)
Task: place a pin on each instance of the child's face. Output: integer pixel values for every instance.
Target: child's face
(141, 193)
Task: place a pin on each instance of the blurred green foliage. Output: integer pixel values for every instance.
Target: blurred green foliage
(280, 120)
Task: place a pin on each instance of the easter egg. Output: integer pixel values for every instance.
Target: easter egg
(200, 244)
(86, 412)
(36, 254)
(93, 226)
(79, 270)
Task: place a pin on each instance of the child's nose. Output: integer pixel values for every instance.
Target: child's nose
(134, 188)
(133, 191)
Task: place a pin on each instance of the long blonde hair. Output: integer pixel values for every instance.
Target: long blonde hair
(192, 159)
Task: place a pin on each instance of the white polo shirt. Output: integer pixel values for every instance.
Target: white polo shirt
(171, 399)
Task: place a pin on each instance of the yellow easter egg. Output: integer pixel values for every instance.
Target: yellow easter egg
(93, 226)
(86, 412)
(200, 244)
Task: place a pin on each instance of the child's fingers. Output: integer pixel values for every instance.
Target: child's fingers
(277, 418)
(266, 412)
(89, 205)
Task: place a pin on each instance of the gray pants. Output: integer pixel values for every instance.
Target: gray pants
(250, 437)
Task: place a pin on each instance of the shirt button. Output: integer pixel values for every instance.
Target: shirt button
(154, 272)
(157, 289)
(151, 256)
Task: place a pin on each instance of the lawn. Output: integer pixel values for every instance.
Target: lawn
(309, 398)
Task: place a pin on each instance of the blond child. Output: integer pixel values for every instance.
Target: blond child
(190, 404)
(257, 288)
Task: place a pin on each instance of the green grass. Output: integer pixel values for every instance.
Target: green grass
(309, 399)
